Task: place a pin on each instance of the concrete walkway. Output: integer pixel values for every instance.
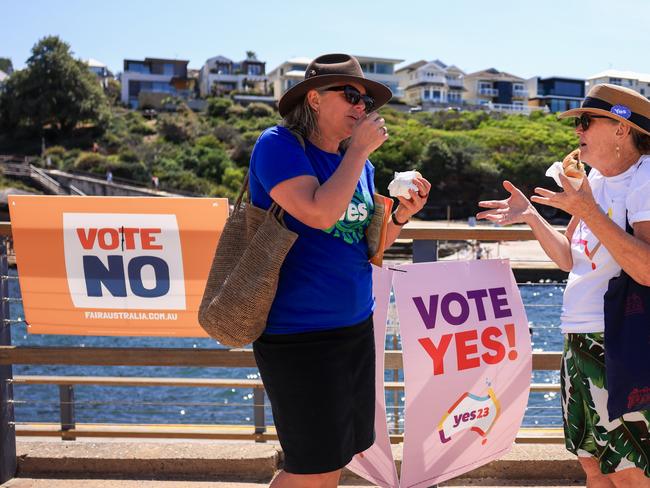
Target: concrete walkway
(220, 464)
(117, 483)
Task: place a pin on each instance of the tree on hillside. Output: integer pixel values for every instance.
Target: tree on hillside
(113, 91)
(54, 90)
(6, 65)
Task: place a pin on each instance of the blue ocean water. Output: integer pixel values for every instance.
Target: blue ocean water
(160, 405)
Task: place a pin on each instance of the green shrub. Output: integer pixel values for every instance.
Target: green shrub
(236, 111)
(177, 128)
(91, 162)
(258, 110)
(218, 107)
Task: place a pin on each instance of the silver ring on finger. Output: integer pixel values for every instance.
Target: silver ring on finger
(385, 129)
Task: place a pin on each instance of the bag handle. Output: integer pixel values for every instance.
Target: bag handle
(244, 189)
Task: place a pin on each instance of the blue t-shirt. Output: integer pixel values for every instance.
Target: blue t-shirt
(326, 279)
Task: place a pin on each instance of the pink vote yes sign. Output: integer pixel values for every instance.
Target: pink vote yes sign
(376, 463)
(467, 365)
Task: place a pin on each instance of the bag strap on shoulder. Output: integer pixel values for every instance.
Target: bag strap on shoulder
(245, 186)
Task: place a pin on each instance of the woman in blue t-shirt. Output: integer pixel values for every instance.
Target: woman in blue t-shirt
(316, 356)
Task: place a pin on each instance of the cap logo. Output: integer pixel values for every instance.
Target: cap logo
(621, 111)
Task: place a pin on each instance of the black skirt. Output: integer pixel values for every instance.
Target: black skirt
(321, 386)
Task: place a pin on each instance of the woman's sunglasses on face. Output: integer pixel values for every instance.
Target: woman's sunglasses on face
(354, 96)
(584, 120)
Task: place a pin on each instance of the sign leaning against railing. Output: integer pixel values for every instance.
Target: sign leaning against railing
(119, 266)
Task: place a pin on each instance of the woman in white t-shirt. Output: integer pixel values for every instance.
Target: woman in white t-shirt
(613, 125)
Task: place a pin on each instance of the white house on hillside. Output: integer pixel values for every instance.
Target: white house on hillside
(639, 82)
(154, 79)
(220, 75)
(100, 70)
(431, 82)
(292, 71)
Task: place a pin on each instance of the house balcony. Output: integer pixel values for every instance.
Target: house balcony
(488, 92)
(223, 77)
(455, 82)
(255, 78)
(520, 93)
(422, 80)
(513, 108)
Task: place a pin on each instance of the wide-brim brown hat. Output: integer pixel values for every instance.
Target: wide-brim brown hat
(618, 103)
(330, 69)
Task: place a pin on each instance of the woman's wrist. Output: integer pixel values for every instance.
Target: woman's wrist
(399, 220)
(530, 216)
(357, 152)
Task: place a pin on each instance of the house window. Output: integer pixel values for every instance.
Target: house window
(567, 89)
(168, 69)
(616, 81)
(134, 88)
(436, 95)
(138, 68)
(254, 69)
(642, 91)
(223, 69)
(384, 68)
(367, 67)
(483, 85)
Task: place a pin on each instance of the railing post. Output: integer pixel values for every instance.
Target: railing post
(66, 399)
(8, 464)
(425, 251)
(258, 412)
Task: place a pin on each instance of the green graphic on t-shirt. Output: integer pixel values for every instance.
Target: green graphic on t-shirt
(352, 224)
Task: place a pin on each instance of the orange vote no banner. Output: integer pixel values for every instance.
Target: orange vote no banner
(116, 266)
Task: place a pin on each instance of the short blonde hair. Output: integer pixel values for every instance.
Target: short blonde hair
(302, 119)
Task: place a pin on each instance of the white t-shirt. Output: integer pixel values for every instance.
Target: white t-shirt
(593, 265)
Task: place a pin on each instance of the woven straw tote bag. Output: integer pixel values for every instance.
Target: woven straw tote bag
(376, 231)
(243, 278)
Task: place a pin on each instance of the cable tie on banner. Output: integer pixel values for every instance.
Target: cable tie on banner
(399, 270)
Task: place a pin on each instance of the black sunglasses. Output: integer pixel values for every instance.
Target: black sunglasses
(585, 120)
(354, 96)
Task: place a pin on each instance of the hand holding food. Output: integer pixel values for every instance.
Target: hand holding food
(572, 166)
(402, 183)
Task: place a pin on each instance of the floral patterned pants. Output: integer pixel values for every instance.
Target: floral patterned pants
(623, 443)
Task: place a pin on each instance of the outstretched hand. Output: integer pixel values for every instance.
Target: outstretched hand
(513, 210)
(578, 202)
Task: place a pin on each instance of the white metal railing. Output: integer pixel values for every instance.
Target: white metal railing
(512, 108)
(491, 92)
